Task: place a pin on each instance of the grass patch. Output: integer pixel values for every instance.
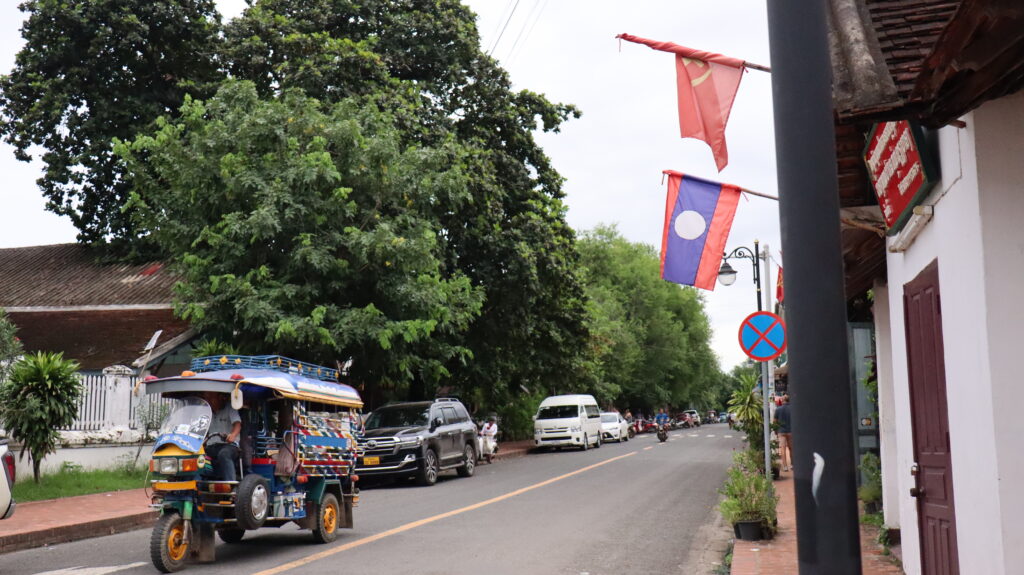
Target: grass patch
(73, 480)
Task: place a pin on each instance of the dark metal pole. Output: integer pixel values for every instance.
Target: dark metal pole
(826, 508)
(757, 273)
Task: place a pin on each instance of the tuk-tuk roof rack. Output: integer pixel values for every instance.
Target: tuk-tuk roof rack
(274, 362)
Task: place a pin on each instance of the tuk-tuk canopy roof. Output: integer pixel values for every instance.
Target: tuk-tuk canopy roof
(253, 382)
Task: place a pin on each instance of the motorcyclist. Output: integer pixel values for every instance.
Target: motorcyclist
(662, 418)
(489, 438)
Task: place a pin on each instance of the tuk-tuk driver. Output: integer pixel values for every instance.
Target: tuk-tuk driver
(222, 445)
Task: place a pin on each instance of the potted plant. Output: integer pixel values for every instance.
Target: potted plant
(749, 504)
(870, 490)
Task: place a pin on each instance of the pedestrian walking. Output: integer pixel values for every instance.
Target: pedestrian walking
(783, 419)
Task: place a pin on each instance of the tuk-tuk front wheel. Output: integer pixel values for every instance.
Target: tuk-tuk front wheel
(167, 546)
(327, 519)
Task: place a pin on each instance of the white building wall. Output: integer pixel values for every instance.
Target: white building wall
(999, 142)
(888, 439)
(955, 238)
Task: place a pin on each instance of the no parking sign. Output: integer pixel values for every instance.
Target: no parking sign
(763, 336)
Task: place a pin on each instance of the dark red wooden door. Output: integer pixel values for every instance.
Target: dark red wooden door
(929, 414)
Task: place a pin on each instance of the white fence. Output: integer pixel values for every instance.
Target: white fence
(108, 402)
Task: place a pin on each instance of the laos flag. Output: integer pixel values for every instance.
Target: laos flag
(698, 217)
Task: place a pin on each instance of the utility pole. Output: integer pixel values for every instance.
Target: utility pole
(824, 483)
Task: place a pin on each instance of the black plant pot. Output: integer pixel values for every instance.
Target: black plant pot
(749, 530)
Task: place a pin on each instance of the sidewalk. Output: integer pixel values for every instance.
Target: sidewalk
(40, 523)
(778, 556)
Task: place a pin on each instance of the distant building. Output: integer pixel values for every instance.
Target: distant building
(100, 315)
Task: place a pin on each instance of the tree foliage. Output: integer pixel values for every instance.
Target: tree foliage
(37, 401)
(10, 346)
(420, 61)
(94, 70)
(307, 229)
(651, 338)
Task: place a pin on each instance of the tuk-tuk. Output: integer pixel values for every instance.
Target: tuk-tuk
(297, 455)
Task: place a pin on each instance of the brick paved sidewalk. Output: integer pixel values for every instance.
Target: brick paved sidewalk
(38, 523)
(778, 556)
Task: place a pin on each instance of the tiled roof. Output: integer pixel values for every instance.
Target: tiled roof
(906, 32)
(67, 275)
(96, 338)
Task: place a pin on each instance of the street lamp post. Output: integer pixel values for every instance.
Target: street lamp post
(727, 277)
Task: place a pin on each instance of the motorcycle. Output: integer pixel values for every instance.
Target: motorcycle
(487, 446)
(663, 432)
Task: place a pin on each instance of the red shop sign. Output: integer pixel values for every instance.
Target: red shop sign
(900, 172)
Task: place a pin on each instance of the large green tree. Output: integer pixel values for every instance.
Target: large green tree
(94, 70)
(651, 337)
(304, 228)
(421, 61)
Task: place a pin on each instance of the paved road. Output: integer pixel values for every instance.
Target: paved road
(629, 508)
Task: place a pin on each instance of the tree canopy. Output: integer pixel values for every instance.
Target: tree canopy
(339, 179)
(307, 228)
(94, 70)
(651, 337)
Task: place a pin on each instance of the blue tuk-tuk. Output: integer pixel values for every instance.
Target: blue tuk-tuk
(297, 454)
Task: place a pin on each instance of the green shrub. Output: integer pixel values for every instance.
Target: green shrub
(748, 497)
(40, 399)
(870, 490)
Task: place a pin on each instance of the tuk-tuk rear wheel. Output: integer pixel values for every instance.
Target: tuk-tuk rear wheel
(326, 528)
(167, 546)
(230, 534)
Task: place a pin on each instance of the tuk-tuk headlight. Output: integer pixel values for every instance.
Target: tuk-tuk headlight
(168, 466)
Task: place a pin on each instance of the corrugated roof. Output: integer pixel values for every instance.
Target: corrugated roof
(67, 275)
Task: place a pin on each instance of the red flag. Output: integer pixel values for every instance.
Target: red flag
(779, 292)
(707, 84)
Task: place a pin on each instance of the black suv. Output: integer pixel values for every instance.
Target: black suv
(418, 439)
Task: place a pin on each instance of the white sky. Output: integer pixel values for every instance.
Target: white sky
(612, 157)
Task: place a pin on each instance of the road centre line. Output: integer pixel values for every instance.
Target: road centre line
(408, 526)
(648, 447)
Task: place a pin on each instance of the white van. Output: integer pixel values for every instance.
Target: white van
(568, 420)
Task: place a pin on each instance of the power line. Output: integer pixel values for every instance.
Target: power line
(526, 22)
(496, 27)
(505, 27)
(529, 32)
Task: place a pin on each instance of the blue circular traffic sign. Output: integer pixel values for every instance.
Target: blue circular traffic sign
(763, 336)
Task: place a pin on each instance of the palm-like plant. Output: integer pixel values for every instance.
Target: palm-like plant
(746, 401)
(39, 399)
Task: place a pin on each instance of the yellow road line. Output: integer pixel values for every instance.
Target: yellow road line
(648, 447)
(402, 528)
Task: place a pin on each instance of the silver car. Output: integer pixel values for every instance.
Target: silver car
(614, 427)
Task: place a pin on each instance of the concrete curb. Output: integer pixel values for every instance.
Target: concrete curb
(76, 532)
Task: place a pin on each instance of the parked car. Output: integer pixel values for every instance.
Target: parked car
(7, 503)
(694, 416)
(614, 427)
(568, 420)
(418, 439)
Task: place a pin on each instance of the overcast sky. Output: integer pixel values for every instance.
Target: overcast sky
(612, 157)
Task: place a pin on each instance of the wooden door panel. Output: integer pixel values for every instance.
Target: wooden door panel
(930, 423)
